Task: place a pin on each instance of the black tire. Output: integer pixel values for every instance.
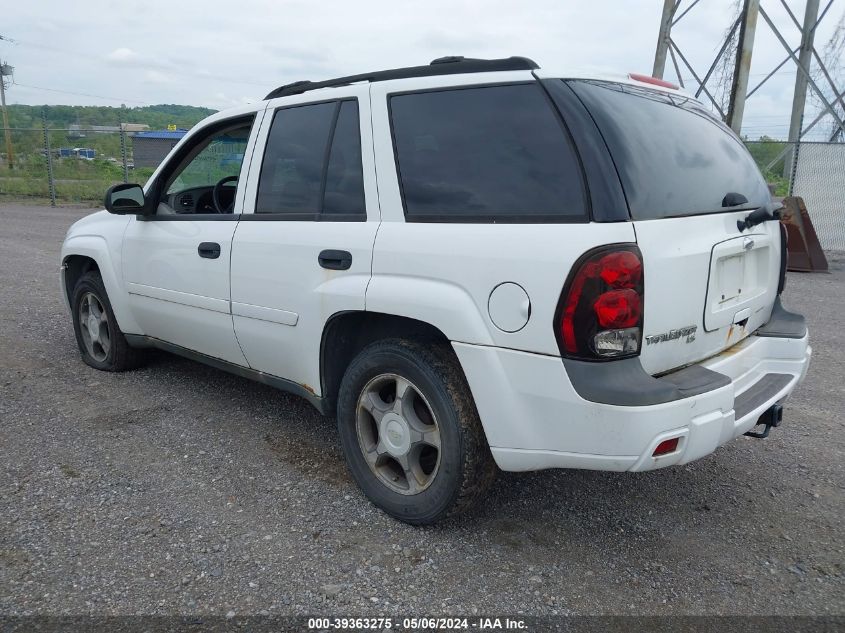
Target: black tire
(465, 468)
(119, 356)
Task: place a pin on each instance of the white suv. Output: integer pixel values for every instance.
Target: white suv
(473, 263)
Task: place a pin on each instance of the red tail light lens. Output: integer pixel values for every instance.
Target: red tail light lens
(622, 269)
(601, 310)
(618, 308)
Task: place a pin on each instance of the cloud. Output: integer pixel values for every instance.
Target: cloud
(130, 58)
(157, 77)
(188, 53)
(223, 101)
(123, 56)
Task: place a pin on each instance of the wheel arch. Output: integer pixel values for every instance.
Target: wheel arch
(73, 267)
(346, 333)
(85, 253)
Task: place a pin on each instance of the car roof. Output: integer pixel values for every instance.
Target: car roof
(452, 65)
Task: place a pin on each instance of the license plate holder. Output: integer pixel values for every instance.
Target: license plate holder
(731, 271)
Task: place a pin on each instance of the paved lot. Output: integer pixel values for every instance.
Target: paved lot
(181, 489)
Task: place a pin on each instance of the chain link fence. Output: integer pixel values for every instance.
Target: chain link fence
(814, 171)
(66, 166)
(820, 180)
(62, 166)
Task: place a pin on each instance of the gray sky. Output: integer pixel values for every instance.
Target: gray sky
(219, 54)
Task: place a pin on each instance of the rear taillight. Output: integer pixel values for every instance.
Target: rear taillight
(600, 315)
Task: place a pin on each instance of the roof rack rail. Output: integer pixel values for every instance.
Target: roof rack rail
(453, 65)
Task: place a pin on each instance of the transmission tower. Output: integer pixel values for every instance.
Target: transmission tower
(802, 55)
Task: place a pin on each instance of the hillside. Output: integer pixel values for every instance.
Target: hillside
(61, 116)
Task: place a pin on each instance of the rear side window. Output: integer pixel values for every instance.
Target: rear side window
(312, 164)
(674, 157)
(497, 153)
(344, 184)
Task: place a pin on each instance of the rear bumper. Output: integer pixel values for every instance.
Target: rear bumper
(534, 417)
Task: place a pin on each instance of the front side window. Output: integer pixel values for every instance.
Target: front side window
(312, 163)
(205, 177)
(496, 153)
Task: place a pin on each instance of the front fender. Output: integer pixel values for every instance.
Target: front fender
(107, 257)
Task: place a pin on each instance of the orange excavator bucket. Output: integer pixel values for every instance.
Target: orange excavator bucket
(804, 252)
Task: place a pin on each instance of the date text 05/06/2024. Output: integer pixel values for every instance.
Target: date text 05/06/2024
(416, 624)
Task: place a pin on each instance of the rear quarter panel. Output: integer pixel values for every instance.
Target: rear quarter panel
(443, 274)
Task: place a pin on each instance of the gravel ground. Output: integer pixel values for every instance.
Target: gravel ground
(181, 489)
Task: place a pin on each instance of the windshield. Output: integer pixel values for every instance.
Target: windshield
(674, 158)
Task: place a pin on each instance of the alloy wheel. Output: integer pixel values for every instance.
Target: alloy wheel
(398, 434)
(94, 327)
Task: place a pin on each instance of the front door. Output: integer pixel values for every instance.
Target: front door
(176, 262)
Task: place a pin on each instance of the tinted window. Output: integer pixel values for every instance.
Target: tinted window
(674, 157)
(496, 153)
(292, 171)
(344, 176)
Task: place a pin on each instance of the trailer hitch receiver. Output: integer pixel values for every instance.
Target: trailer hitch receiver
(769, 420)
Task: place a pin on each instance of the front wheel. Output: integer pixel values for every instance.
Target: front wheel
(100, 341)
(410, 431)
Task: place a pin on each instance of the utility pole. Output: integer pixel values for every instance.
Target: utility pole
(799, 98)
(739, 86)
(6, 70)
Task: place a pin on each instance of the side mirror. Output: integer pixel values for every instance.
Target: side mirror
(125, 199)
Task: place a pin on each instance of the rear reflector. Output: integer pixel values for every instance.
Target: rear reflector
(665, 447)
(646, 79)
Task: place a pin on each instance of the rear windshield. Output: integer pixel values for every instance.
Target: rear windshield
(674, 157)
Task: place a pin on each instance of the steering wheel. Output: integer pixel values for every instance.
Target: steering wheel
(218, 189)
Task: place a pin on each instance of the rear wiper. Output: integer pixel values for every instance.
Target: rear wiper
(763, 214)
(758, 216)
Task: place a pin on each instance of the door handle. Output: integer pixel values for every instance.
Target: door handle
(209, 250)
(335, 260)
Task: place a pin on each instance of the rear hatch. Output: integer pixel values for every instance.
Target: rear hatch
(688, 179)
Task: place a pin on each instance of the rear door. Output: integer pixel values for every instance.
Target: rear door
(707, 285)
(303, 249)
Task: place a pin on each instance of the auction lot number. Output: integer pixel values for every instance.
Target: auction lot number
(413, 624)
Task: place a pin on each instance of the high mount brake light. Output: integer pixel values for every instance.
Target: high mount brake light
(600, 315)
(647, 79)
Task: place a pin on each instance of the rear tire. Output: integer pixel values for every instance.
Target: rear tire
(410, 431)
(100, 341)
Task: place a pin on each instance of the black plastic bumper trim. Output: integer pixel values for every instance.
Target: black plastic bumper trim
(783, 323)
(761, 391)
(625, 382)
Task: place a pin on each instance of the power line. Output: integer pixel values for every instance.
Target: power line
(101, 60)
(81, 94)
